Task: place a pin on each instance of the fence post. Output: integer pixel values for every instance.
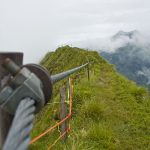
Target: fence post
(93, 69)
(5, 118)
(88, 71)
(63, 112)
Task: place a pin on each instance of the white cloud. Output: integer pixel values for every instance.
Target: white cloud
(35, 26)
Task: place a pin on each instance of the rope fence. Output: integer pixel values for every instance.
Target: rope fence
(68, 117)
(51, 146)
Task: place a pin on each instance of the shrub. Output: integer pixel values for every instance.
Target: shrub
(94, 110)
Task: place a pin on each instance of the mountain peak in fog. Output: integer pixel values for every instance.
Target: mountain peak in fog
(129, 35)
(120, 39)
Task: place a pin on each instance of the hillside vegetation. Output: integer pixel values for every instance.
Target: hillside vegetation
(109, 111)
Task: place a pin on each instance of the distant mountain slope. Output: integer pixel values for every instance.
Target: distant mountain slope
(132, 58)
(109, 111)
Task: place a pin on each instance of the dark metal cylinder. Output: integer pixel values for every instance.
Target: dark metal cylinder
(11, 66)
(5, 118)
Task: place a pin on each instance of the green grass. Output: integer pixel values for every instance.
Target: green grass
(109, 111)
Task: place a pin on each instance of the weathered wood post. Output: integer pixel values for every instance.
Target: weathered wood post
(88, 71)
(93, 69)
(5, 118)
(63, 112)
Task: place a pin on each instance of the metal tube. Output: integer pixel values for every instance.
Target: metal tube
(60, 76)
(11, 66)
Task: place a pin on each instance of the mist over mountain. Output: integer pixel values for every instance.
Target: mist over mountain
(128, 51)
(132, 57)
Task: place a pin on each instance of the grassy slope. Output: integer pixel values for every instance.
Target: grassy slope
(109, 112)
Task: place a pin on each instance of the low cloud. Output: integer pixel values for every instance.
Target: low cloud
(35, 26)
(113, 43)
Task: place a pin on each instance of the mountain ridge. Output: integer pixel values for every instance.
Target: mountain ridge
(109, 111)
(128, 51)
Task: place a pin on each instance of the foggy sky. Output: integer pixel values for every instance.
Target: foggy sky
(38, 26)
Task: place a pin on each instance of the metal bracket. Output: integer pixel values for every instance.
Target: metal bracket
(23, 84)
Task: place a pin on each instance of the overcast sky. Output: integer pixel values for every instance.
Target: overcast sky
(38, 26)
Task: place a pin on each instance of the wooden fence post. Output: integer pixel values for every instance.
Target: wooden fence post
(63, 112)
(5, 118)
(88, 71)
(93, 69)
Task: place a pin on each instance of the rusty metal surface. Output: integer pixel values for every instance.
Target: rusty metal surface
(5, 118)
(16, 57)
(44, 76)
(11, 66)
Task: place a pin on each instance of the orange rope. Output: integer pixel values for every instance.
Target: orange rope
(70, 97)
(50, 147)
(50, 129)
(71, 93)
(67, 117)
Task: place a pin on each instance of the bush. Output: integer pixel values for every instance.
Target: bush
(94, 110)
(139, 93)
